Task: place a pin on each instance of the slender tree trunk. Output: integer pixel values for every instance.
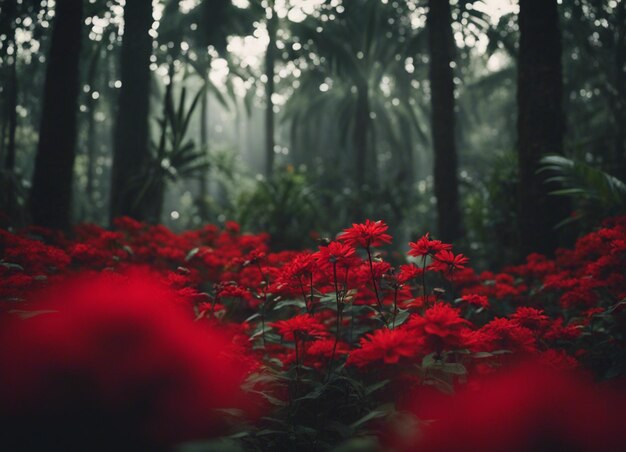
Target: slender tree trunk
(91, 150)
(9, 113)
(131, 152)
(270, 60)
(363, 141)
(11, 87)
(620, 87)
(9, 164)
(441, 47)
(361, 136)
(3, 133)
(540, 122)
(204, 143)
(51, 194)
(91, 125)
(7, 28)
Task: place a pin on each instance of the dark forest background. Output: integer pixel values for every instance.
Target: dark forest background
(496, 124)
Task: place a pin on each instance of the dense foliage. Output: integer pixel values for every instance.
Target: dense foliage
(137, 335)
(225, 94)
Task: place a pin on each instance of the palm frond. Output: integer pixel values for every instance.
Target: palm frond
(581, 180)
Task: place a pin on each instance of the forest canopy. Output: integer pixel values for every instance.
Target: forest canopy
(288, 115)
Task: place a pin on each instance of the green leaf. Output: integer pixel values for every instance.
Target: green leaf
(270, 398)
(454, 368)
(287, 303)
(375, 387)
(401, 317)
(380, 412)
(191, 254)
(429, 361)
(12, 266)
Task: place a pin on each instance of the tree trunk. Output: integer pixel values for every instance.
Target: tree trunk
(360, 135)
(9, 113)
(7, 28)
(131, 152)
(441, 48)
(51, 194)
(620, 87)
(91, 126)
(270, 59)
(9, 163)
(204, 143)
(540, 122)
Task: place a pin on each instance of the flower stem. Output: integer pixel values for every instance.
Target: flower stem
(264, 301)
(338, 322)
(395, 306)
(311, 288)
(304, 296)
(295, 338)
(380, 305)
(425, 295)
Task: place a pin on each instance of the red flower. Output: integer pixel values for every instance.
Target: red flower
(480, 301)
(530, 318)
(506, 334)
(424, 246)
(386, 346)
(408, 272)
(445, 261)
(294, 275)
(320, 351)
(301, 265)
(441, 327)
(300, 326)
(337, 253)
(232, 227)
(365, 235)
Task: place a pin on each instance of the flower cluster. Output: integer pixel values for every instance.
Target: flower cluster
(294, 320)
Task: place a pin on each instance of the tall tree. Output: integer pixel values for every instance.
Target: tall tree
(441, 48)
(91, 101)
(53, 175)
(131, 151)
(9, 102)
(270, 61)
(540, 123)
(619, 101)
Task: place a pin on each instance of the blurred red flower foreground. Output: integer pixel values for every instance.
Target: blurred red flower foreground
(113, 359)
(142, 339)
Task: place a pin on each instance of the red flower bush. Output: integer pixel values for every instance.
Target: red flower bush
(142, 361)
